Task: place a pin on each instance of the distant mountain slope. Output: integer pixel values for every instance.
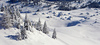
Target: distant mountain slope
(60, 0)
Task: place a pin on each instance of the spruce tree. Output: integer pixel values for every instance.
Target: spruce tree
(18, 13)
(39, 25)
(2, 8)
(23, 33)
(26, 23)
(45, 30)
(18, 24)
(6, 21)
(54, 34)
(30, 25)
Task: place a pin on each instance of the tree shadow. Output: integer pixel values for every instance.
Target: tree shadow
(1, 27)
(26, 12)
(73, 23)
(1, 14)
(12, 1)
(82, 17)
(13, 37)
(1, 21)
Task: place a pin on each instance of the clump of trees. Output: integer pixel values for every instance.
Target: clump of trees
(11, 17)
(44, 28)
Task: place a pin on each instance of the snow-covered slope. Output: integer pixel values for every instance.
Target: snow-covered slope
(80, 30)
(8, 37)
(77, 27)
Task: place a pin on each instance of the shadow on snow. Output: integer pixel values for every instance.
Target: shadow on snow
(13, 37)
(73, 23)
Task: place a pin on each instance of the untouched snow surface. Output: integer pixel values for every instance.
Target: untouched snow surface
(8, 37)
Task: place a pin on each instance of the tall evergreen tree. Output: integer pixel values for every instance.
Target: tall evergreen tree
(18, 24)
(39, 25)
(30, 25)
(54, 34)
(23, 33)
(45, 30)
(26, 23)
(6, 21)
(2, 8)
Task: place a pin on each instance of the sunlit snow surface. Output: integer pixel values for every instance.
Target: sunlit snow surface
(76, 27)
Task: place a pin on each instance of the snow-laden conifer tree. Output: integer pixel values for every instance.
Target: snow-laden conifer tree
(30, 25)
(2, 8)
(23, 33)
(39, 25)
(54, 34)
(4, 18)
(26, 23)
(45, 30)
(6, 21)
(18, 24)
(18, 13)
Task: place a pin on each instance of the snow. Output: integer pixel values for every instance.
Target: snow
(80, 30)
(34, 38)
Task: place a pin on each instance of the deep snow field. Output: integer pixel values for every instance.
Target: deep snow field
(76, 27)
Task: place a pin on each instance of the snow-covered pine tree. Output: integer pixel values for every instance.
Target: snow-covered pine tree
(54, 34)
(2, 8)
(39, 25)
(23, 33)
(11, 11)
(17, 17)
(18, 24)
(45, 30)
(13, 16)
(35, 25)
(4, 18)
(6, 21)
(8, 24)
(26, 23)
(18, 13)
(30, 25)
